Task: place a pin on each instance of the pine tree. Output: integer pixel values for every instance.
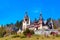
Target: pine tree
(18, 24)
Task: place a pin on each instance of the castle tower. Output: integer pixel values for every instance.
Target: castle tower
(40, 21)
(51, 24)
(26, 22)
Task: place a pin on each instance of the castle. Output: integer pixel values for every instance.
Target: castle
(37, 24)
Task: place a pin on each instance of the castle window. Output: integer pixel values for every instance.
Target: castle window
(25, 19)
(27, 22)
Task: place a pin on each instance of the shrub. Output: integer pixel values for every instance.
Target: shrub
(32, 32)
(13, 32)
(1, 35)
(57, 35)
(15, 36)
(28, 32)
(23, 37)
(2, 32)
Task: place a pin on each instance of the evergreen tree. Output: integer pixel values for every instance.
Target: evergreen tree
(54, 25)
(59, 20)
(48, 20)
(21, 24)
(2, 31)
(18, 24)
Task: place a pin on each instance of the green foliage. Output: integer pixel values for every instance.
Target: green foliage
(1, 35)
(15, 36)
(32, 32)
(59, 20)
(48, 20)
(2, 31)
(23, 37)
(54, 25)
(28, 31)
(13, 32)
(18, 24)
(58, 35)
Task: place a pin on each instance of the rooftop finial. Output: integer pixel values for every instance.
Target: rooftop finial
(26, 14)
(41, 15)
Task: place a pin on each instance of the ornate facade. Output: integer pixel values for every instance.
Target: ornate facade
(26, 22)
(36, 25)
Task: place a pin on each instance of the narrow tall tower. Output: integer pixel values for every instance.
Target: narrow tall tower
(40, 21)
(51, 23)
(26, 22)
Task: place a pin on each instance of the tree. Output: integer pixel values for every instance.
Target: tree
(48, 20)
(28, 32)
(18, 24)
(2, 31)
(7, 25)
(54, 25)
(21, 24)
(59, 20)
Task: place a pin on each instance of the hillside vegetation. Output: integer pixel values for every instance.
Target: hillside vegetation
(33, 37)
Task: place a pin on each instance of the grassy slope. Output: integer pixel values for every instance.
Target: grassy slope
(34, 37)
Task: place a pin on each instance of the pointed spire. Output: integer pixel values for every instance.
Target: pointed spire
(35, 20)
(40, 15)
(26, 14)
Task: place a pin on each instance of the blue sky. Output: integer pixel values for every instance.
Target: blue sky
(13, 10)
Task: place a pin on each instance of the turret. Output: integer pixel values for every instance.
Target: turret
(50, 24)
(26, 21)
(40, 21)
